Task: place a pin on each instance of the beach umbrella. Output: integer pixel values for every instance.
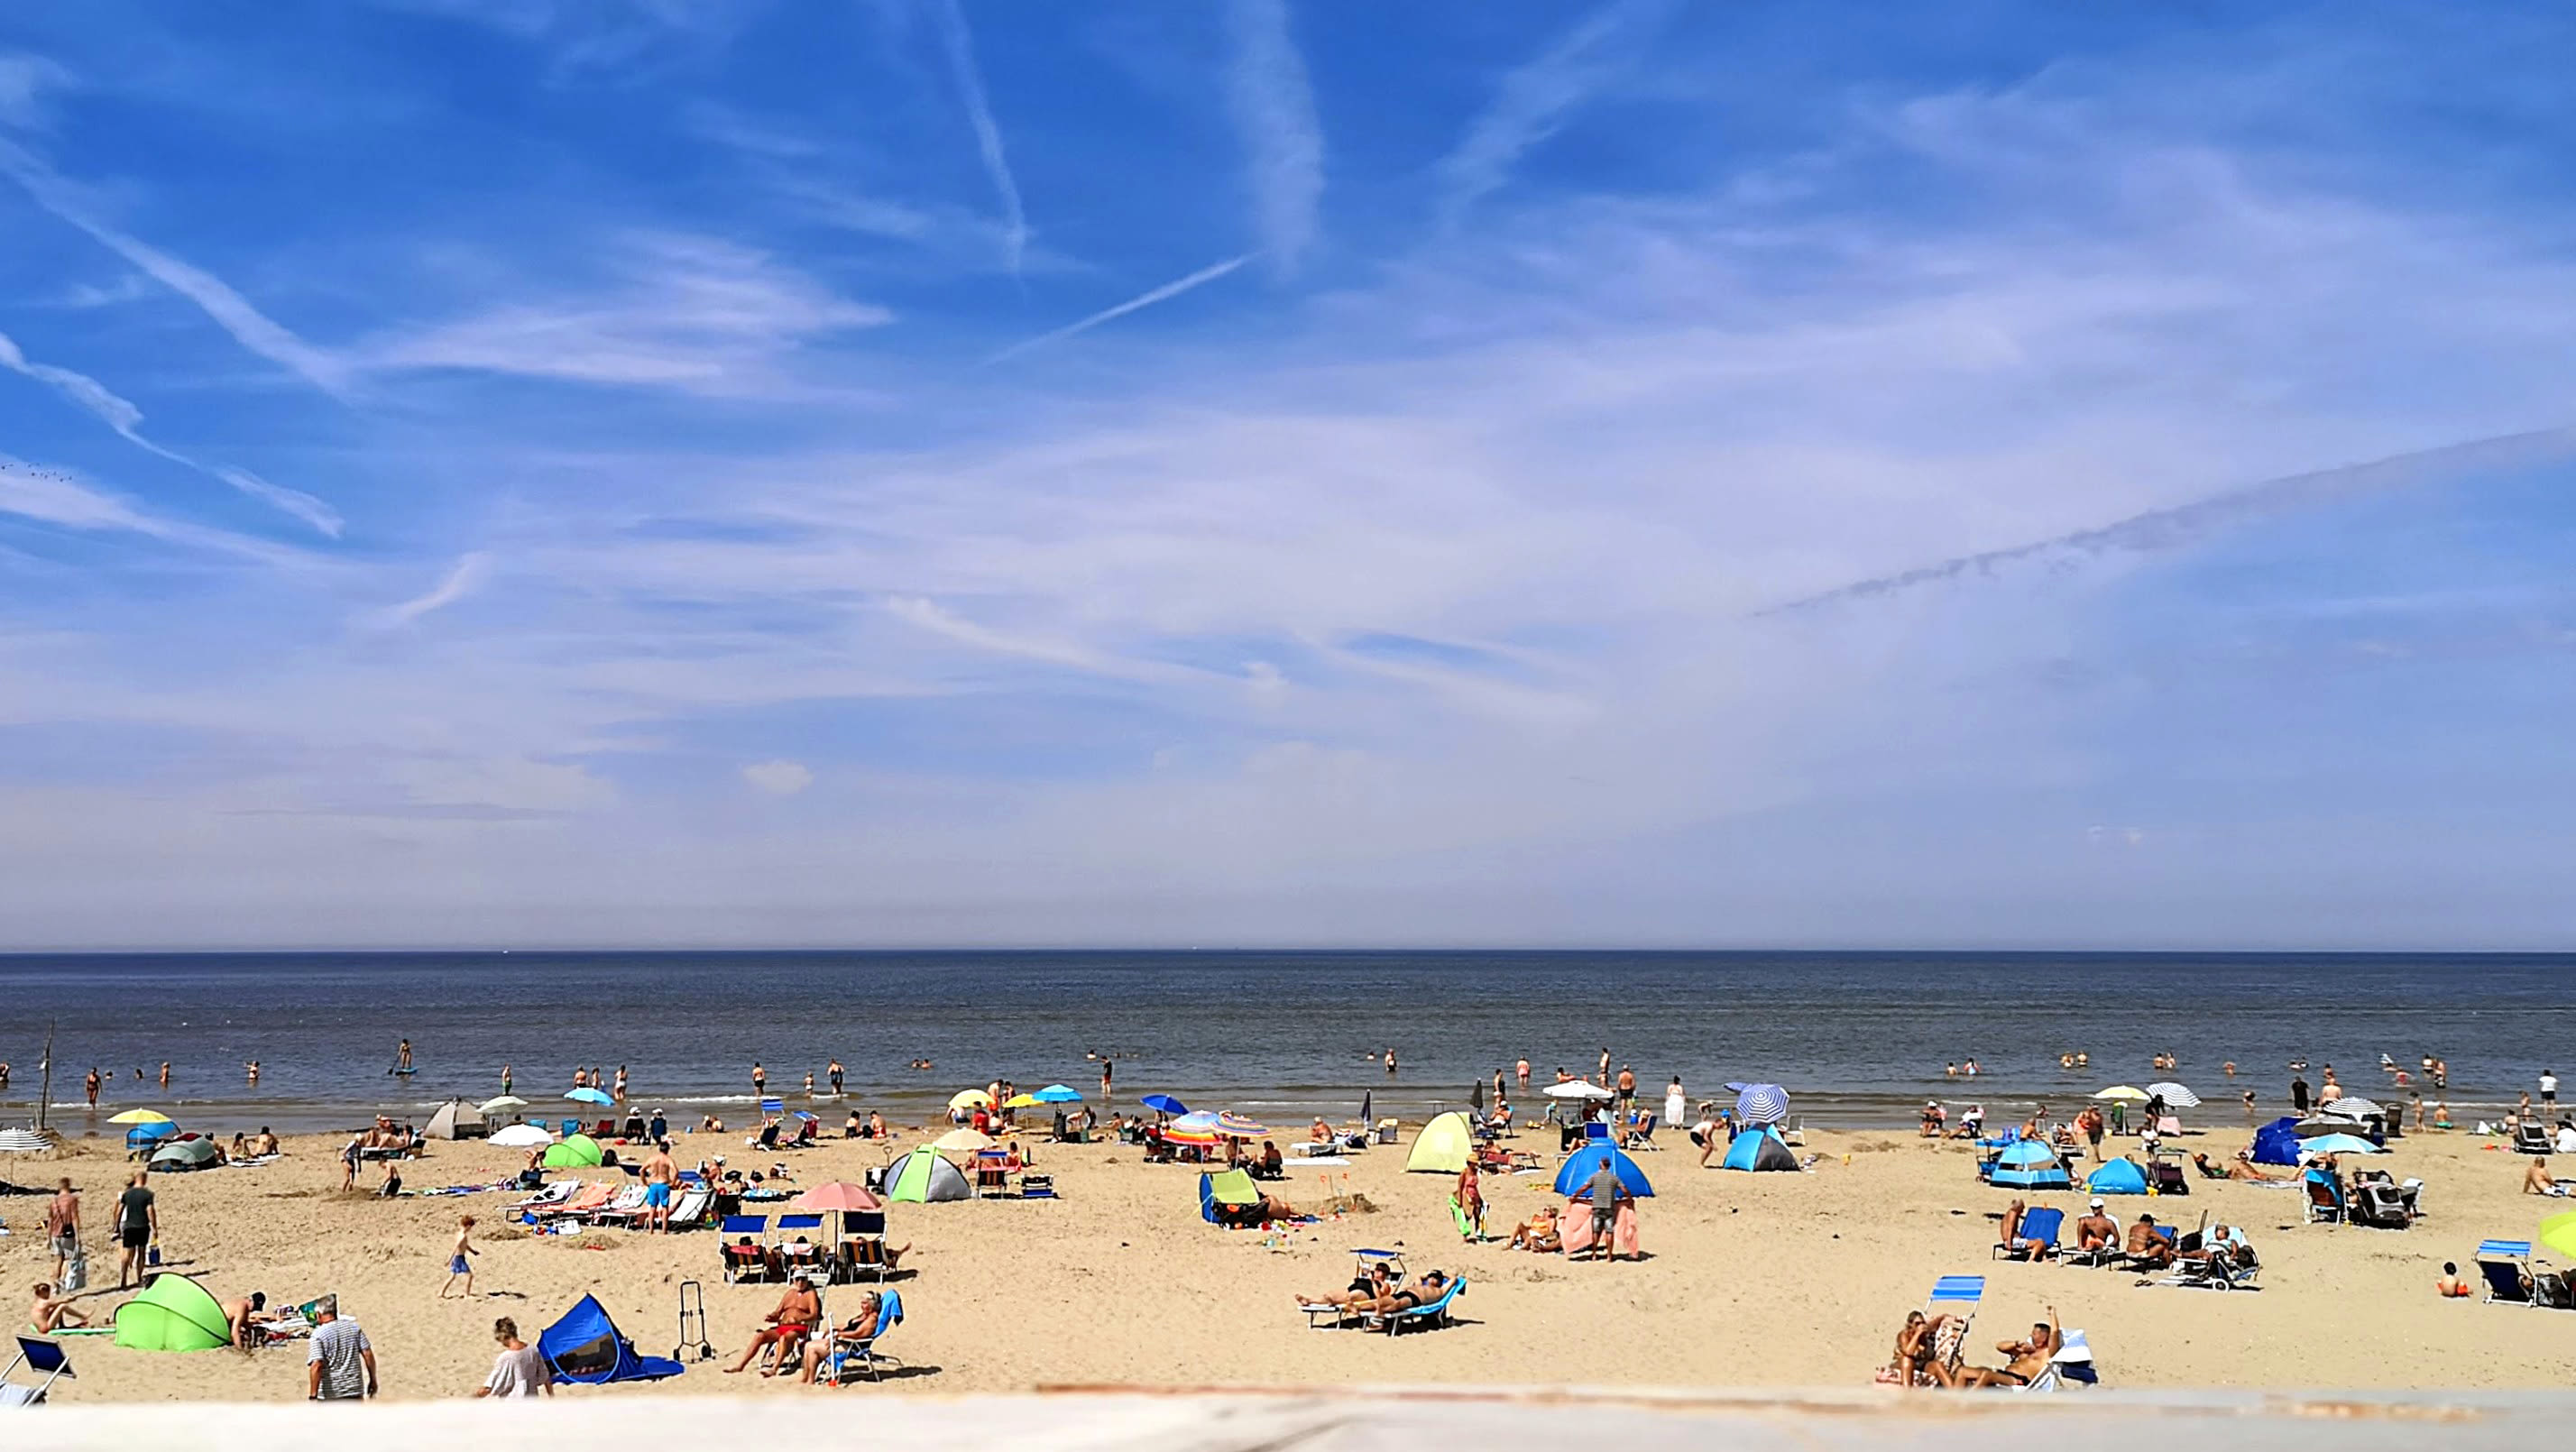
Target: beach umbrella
(141, 1116)
(2337, 1144)
(502, 1105)
(521, 1136)
(1165, 1104)
(1367, 1098)
(22, 1142)
(1577, 1089)
(588, 1095)
(1020, 1101)
(2175, 1095)
(963, 1141)
(2349, 1107)
(2558, 1232)
(969, 1099)
(1760, 1103)
(839, 1195)
(1197, 1127)
(1236, 1126)
(1057, 1094)
(2129, 1092)
(1578, 1169)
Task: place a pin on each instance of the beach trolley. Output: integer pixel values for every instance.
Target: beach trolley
(693, 1325)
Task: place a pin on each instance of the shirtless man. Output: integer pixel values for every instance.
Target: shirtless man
(263, 1143)
(2242, 1168)
(2536, 1180)
(62, 1225)
(2096, 1231)
(2025, 1360)
(784, 1327)
(50, 1313)
(833, 1072)
(661, 1179)
(243, 1313)
(2147, 1249)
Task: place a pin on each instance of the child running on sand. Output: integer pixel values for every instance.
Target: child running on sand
(458, 1263)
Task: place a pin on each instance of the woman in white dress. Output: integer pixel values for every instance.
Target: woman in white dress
(1675, 1106)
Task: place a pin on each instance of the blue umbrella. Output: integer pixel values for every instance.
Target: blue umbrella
(587, 1095)
(2030, 1165)
(1760, 1103)
(1057, 1094)
(2339, 1144)
(1165, 1104)
(1578, 1169)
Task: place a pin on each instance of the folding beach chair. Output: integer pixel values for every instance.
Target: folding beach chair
(41, 1358)
(2041, 1225)
(1641, 1136)
(690, 1210)
(1427, 1316)
(861, 1358)
(2325, 1201)
(1957, 1298)
(2071, 1362)
(793, 1229)
(1328, 1317)
(745, 1258)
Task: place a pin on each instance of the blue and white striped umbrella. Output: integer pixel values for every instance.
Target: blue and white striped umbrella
(1760, 1103)
(2174, 1095)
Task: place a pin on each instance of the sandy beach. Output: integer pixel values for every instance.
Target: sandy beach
(1749, 1279)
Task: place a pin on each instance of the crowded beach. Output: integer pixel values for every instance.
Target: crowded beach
(597, 1245)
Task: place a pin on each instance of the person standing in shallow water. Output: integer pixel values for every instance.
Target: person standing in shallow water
(1390, 1061)
(759, 1078)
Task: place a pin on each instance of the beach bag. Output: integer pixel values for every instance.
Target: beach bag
(75, 1271)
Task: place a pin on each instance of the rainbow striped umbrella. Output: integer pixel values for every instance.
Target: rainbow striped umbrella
(1198, 1127)
(1236, 1126)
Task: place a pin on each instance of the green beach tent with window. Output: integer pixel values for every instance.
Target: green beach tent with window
(922, 1177)
(174, 1313)
(1445, 1144)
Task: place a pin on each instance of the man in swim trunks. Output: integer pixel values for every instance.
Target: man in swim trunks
(659, 1175)
(2027, 1359)
(787, 1327)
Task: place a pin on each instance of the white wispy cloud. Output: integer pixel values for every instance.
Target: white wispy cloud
(1143, 300)
(228, 309)
(25, 81)
(959, 45)
(1534, 99)
(126, 419)
(690, 313)
(1274, 113)
(462, 579)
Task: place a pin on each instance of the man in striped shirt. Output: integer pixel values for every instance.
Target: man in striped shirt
(340, 1365)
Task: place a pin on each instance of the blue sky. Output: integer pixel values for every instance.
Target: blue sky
(668, 471)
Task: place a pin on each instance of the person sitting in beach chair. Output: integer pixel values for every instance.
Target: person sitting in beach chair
(1367, 1288)
(1641, 1135)
(1387, 1308)
(2150, 1246)
(856, 1332)
(1270, 1165)
(2097, 1236)
(2025, 1359)
(785, 1328)
(1538, 1233)
(2029, 1234)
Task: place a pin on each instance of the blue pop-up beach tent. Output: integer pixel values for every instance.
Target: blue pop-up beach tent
(2277, 1143)
(2030, 1165)
(586, 1346)
(1759, 1148)
(1580, 1166)
(2118, 1177)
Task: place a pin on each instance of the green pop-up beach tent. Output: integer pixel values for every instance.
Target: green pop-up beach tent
(577, 1151)
(174, 1313)
(922, 1177)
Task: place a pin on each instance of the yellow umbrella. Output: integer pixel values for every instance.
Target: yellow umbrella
(1019, 1101)
(2125, 1091)
(2558, 1232)
(963, 1141)
(968, 1099)
(142, 1116)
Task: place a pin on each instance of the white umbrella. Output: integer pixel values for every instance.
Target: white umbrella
(22, 1142)
(2175, 1095)
(2350, 1108)
(1577, 1089)
(521, 1136)
(505, 1102)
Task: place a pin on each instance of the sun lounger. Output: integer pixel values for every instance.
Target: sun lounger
(623, 1207)
(1428, 1315)
(2226, 1268)
(2071, 1362)
(40, 1358)
(689, 1211)
(2039, 1225)
(745, 1258)
(555, 1193)
(2325, 1201)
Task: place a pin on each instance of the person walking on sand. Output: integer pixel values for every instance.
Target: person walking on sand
(520, 1370)
(62, 1226)
(339, 1363)
(138, 1224)
(459, 1260)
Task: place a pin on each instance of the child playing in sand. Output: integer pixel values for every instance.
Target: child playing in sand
(457, 1262)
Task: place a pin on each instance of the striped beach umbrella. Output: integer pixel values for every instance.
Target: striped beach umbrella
(1760, 1103)
(2349, 1108)
(1237, 1126)
(2175, 1095)
(2129, 1092)
(1198, 1127)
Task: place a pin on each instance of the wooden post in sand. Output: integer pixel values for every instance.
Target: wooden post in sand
(45, 1067)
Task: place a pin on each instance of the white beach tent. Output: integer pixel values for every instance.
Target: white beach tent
(455, 1119)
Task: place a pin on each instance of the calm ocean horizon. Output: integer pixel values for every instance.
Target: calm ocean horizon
(1858, 1038)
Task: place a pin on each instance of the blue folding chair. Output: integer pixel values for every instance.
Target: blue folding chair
(2504, 1263)
(745, 1258)
(2039, 1225)
(41, 1358)
(1956, 1297)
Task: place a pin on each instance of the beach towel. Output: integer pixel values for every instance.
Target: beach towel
(1574, 1227)
(1623, 1232)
